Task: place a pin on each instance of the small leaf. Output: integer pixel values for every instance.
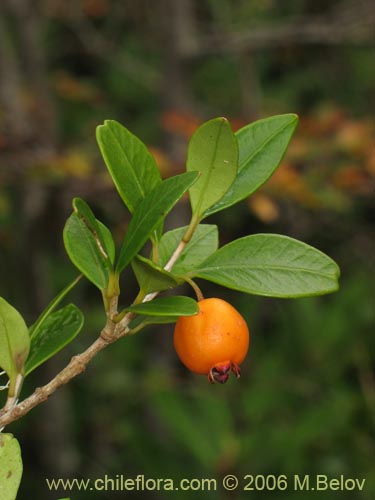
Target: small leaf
(151, 278)
(10, 467)
(142, 321)
(271, 265)
(14, 341)
(131, 165)
(166, 306)
(202, 244)
(101, 233)
(213, 151)
(150, 212)
(52, 334)
(82, 247)
(262, 145)
(107, 240)
(52, 306)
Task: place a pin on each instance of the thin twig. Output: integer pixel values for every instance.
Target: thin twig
(111, 333)
(76, 366)
(175, 255)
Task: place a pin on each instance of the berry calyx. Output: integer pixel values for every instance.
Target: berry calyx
(221, 371)
(213, 342)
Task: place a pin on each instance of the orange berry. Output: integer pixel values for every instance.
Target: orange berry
(213, 342)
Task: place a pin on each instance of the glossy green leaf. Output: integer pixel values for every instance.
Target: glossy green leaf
(131, 165)
(10, 466)
(150, 277)
(87, 255)
(101, 233)
(141, 321)
(150, 212)
(271, 265)
(52, 334)
(82, 209)
(107, 240)
(14, 341)
(166, 306)
(33, 330)
(213, 151)
(203, 243)
(262, 145)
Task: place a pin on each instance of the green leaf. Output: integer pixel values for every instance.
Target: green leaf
(203, 243)
(142, 321)
(10, 466)
(166, 306)
(262, 145)
(271, 265)
(101, 233)
(131, 165)
(213, 151)
(150, 212)
(150, 277)
(87, 255)
(106, 239)
(52, 334)
(14, 341)
(33, 330)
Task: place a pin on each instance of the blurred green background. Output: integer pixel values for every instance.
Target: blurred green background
(305, 402)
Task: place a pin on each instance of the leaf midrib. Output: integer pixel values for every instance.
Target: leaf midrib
(150, 208)
(263, 144)
(94, 249)
(263, 268)
(223, 203)
(139, 220)
(143, 194)
(208, 177)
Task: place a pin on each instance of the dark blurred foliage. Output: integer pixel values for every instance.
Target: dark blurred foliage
(305, 403)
